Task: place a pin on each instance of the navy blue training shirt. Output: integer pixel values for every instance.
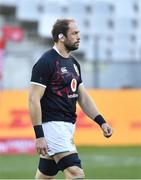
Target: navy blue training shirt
(61, 78)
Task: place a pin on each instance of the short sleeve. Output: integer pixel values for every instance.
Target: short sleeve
(79, 71)
(41, 72)
(80, 82)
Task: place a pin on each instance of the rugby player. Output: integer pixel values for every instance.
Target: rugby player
(56, 85)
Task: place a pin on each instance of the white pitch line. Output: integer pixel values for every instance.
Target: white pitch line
(102, 160)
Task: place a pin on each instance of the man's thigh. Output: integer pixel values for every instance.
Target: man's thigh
(67, 159)
(47, 168)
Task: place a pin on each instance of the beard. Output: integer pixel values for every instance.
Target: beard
(71, 47)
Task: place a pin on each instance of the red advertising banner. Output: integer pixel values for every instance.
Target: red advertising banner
(13, 33)
(121, 108)
(14, 146)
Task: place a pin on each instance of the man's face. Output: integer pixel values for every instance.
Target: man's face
(72, 39)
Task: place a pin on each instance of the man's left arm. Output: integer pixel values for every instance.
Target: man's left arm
(89, 107)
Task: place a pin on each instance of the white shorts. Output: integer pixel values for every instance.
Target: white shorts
(59, 137)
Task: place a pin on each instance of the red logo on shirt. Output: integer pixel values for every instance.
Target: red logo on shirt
(73, 85)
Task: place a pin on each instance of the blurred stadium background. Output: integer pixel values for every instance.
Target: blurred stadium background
(110, 58)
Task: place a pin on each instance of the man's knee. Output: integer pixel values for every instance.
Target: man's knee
(71, 166)
(74, 172)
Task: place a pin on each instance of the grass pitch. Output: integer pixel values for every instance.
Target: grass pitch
(98, 163)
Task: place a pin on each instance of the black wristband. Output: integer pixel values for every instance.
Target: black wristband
(38, 131)
(99, 120)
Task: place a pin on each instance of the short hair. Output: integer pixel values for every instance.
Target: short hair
(61, 26)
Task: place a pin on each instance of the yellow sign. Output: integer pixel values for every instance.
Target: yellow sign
(121, 108)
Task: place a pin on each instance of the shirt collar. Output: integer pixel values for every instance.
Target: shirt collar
(55, 48)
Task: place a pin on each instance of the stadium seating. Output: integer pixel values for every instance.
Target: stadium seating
(45, 25)
(128, 9)
(12, 76)
(9, 3)
(126, 26)
(28, 10)
(48, 16)
(110, 31)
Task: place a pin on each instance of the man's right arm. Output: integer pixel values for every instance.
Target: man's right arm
(35, 94)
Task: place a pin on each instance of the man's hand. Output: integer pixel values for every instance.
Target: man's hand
(41, 146)
(107, 130)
